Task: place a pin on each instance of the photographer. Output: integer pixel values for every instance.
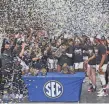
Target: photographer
(18, 52)
(7, 59)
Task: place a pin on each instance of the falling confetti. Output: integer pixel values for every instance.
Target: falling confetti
(55, 16)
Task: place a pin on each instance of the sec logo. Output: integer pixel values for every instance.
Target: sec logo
(53, 89)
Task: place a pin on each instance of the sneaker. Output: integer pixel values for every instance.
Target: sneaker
(102, 94)
(100, 90)
(90, 89)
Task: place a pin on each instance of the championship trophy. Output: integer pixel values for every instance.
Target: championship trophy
(65, 68)
(43, 71)
(71, 70)
(34, 72)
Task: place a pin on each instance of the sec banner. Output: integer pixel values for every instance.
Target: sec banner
(53, 89)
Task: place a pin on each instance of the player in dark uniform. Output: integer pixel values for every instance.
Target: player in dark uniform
(101, 63)
(107, 71)
(78, 56)
(91, 69)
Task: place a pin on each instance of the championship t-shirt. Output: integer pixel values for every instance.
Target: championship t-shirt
(99, 51)
(85, 52)
(65, 59)
(70, 51)
(91, 52)
(78, 54)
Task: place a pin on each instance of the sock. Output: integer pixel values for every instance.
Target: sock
(90, 82)
(103, 81)
(93, 86)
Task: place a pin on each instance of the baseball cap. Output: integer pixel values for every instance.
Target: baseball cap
(100, 37)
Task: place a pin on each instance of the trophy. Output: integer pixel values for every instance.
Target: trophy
(68, 69)
(34, 72)
(65, 68)
(71, 70)
(43, 71)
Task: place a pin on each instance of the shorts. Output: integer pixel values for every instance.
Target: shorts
(78, 65)
(93, 66)
(51, 63)
(104, 67)
(85, 58)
